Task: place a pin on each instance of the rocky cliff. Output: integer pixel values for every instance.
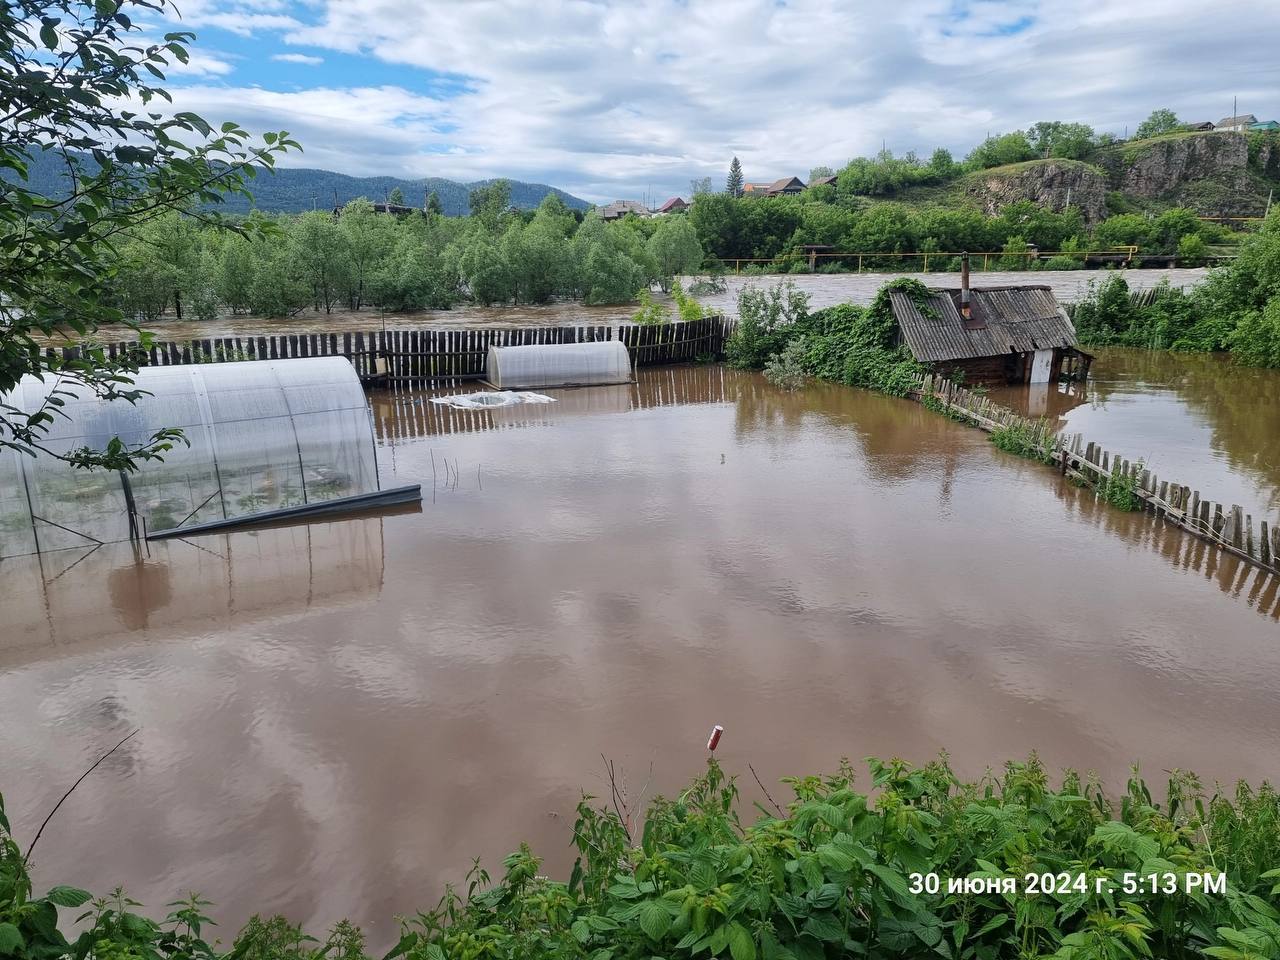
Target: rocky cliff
(1209, 172)
(1049, 183)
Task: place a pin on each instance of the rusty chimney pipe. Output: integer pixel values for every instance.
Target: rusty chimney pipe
(964, 285)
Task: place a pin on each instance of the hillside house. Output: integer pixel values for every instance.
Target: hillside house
(1238, 124)
(620, 208)
(787, 186)
(674, 205)
(989, 335)
(1265, 125)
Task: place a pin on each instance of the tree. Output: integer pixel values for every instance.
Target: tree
(1161, 121)
(733, 183)
(369, 237)
(68, 70)
(1053, 138)
(699, 185)
(941, 164)
(675, 250)
(717, 218)
(605, 272)
(490, 202)
(433, 203)
(819, 172)
(396, 197)
(322, 257)
(997, 151)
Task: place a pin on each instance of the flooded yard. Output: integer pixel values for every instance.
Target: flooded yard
(334, 719)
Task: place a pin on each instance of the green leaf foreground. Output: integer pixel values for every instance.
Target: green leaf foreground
(828, 876)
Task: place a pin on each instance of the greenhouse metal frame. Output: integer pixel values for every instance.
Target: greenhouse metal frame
(265, 439)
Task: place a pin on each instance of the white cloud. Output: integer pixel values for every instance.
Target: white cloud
(606, 99)
(298, 58)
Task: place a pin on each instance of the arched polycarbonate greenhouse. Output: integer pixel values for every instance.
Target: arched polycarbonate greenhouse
(268, 438)
(558, 365)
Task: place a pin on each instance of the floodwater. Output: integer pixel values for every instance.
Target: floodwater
(824, 290)
(334, 719)
(1198, 419)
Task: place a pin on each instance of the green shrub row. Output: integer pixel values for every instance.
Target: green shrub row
(1236, 309)
(836, 872)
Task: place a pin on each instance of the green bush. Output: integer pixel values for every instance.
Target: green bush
(786, 369)
(1031, 439)
(650, 312)
(687, 308)
(1121, 490)
(1233, 309)
(1191, 250)
(767, 318)
(1061, 263)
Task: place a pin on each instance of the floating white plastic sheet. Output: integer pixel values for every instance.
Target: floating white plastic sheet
(488, 399)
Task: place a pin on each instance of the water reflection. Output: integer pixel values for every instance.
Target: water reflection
(401, 415)
(69, 596)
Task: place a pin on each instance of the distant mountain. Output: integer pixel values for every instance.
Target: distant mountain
(295, 189)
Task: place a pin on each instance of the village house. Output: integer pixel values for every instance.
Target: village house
(1265, 125)
(674, 205)
(1238, 124)
(989, 335)
(787, 186)
(823, 182)
(620, 208)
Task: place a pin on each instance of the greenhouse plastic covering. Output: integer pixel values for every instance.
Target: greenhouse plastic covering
(489, 399)
(558, 365)
(264, 435)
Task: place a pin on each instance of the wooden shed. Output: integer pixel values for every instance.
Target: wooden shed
(991, 335)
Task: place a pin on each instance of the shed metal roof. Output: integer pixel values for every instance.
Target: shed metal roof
(1017, 320)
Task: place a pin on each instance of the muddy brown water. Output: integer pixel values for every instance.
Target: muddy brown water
(1198, 419)
(336, 718)
(824, 290)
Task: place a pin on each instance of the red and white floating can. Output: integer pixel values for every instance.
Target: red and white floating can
(713, 741)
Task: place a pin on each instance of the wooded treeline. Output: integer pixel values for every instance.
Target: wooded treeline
(358, 258)
(779, 227)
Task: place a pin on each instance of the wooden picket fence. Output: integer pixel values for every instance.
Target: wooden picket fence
(410, 357)
(1229, 529)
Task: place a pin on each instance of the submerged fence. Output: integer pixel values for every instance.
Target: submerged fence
(1229, 529)
(407, 356)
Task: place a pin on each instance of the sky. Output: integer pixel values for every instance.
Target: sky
(628, 99)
